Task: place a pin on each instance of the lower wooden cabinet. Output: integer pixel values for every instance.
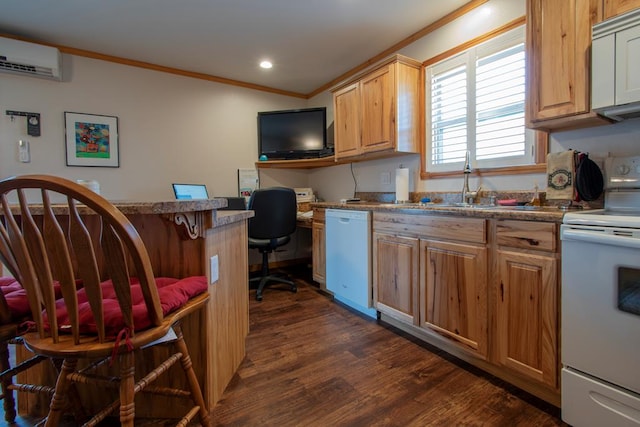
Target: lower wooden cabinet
(395, 278)
(453, 292)
(318, 251)
(485, 290)
(527, 315)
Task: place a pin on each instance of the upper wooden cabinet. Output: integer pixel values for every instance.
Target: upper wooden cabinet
(613, 8)
(380, 111)
(558, 63)
(559, 60)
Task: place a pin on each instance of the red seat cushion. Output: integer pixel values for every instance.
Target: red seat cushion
(16, 296)
(173, 293)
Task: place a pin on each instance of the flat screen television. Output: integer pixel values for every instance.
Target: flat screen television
(293, 134)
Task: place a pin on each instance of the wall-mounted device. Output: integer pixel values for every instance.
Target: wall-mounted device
(23, 151)
(30, 59)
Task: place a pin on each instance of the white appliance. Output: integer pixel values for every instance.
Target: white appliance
(348, 258)
(600, 343)
(30, 59)
(615, 66)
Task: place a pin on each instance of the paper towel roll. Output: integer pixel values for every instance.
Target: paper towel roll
(402, 185)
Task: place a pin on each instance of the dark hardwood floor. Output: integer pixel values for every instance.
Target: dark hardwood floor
(313, 362)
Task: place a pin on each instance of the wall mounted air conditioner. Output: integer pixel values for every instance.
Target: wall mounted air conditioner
(29, 59)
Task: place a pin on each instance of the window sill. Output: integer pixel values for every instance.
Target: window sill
(511, 170)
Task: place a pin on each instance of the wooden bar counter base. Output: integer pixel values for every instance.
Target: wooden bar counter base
(181, 237)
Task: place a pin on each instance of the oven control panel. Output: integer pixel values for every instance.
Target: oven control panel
(623, 172)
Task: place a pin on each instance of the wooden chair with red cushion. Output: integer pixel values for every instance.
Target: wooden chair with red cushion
(121, 308)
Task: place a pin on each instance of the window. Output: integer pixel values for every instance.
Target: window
(476, 102)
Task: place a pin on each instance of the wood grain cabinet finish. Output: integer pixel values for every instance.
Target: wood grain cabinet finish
(487, 291)
(558, 63)
(527, 316)
(379, 112)
(617, 7)
(318, 250)
(527, 308)
(395, 278)
(453, 293)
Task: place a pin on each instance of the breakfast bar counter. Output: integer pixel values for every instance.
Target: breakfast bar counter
(185, 238)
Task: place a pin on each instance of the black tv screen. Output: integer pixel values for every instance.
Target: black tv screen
(293, 134)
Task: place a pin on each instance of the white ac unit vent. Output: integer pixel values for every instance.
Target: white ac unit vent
(29, 59)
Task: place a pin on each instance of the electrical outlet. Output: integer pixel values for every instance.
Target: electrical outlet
(385, 178)
(214, 270)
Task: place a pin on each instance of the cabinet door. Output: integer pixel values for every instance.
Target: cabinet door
(617, 7)
(346, 107)
(318, 256)
(558, 62)
(628, 65)
(395, 279)
(527, 315)
(378, 110)
(453, 293)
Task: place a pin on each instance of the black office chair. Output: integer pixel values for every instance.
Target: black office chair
(272, 226)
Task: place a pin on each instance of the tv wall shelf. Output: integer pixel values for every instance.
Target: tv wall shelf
(298, 164)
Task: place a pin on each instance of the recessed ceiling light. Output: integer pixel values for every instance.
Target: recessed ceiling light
(266, 64)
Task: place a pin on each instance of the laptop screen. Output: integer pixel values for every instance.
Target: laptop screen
(190, 191)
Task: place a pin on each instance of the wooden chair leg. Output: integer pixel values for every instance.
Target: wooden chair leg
(58, 401)
(127, 384)
(9, 402)
(187, 365)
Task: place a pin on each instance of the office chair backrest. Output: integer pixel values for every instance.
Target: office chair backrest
(275, 213)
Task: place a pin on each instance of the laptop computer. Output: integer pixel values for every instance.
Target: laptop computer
(190, 191)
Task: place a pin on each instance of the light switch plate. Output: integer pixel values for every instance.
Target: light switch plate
(214, 270)
(23, 151)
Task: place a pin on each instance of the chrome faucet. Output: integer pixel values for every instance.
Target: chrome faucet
(466, 193)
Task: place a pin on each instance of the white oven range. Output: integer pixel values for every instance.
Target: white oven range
(600, 305)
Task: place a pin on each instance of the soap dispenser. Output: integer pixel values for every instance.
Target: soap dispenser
(536, 197)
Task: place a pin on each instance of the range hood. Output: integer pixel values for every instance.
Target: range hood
(615, 67)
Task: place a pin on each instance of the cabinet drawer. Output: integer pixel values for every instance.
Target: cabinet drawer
(527, 234)
(471, 230)
(318, 214)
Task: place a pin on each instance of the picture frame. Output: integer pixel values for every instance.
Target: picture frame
(91, 140)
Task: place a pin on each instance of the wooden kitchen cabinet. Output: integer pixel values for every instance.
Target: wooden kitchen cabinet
(613, 8)
(395, 276)
(431, 272)
(487, 291)
(453, 287)
(528, 300)
(318, 251)
(379, 112)
(558, 63)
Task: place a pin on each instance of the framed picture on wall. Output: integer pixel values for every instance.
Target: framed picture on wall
(91, 140)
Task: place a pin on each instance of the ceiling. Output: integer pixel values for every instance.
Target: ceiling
(310, 42)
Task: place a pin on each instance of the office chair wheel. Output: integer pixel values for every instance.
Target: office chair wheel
(258, 297)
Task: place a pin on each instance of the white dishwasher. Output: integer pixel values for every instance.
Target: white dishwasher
(348, 258)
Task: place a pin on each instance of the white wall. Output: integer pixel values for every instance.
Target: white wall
(171, 128)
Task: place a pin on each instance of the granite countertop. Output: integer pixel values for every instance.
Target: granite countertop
(527, 213)
(131, 207)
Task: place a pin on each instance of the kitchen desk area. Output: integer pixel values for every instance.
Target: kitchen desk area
(181, 237)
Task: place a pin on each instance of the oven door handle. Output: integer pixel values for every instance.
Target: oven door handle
(599, 237)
